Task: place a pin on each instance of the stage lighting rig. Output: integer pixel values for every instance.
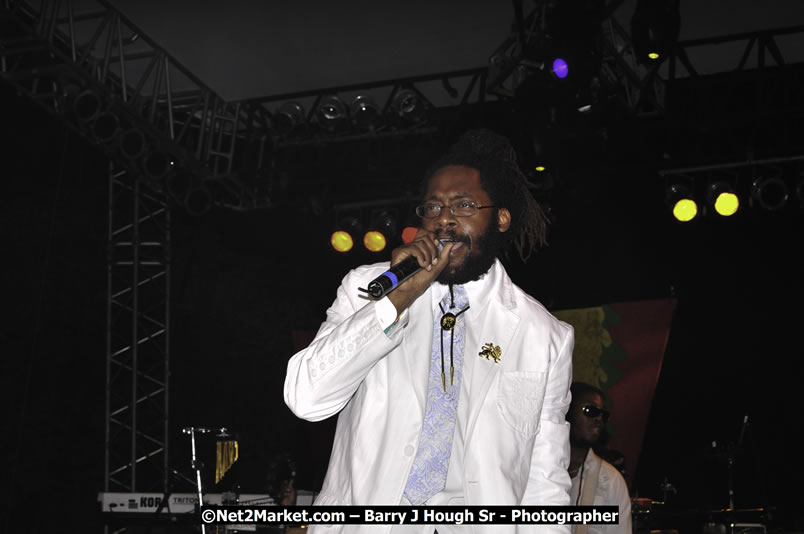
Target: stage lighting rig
(374, 241)
(332, 114)
(655, 26)
(105, 127)
(86, 105)
(769, 192)
(559, 68)
(374, 222)
(365, 113)
(132, 143)
(288, 117)
(409, 106)
(681, 202)
(722, 198)
(198, 200)
(542, 66)
(763, 185)
(342, 239)
(409, 234)
(382, 230)
(539, 154)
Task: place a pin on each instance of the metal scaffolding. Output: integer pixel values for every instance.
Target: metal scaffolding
(749, 113)
(125, 93)
(750, 50)
(138, 340)
(78, 67)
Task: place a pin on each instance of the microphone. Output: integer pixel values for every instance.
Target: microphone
(390, 279)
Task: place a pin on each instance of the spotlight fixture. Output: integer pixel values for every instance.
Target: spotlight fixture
(381, 230)
(331, 113)
(383, 220)
(365, 112)
(198, 200)
(132, 143)
(770, 192)
(409, 234)
(408, 106)
(86, 105)
(342, 239)
(105, 126)
(374, 241)
(288, 117)
(560, 68)
(722, 198)
(539, 155)
(681, 203)
(655, 26)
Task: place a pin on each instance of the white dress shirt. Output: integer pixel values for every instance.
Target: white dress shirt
(610, 489)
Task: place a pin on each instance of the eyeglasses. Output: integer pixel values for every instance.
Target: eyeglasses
(461, 209)
(592, 411)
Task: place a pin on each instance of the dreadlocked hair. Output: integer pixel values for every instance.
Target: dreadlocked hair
(495, 159)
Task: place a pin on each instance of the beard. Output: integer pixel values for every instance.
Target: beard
(480, 256)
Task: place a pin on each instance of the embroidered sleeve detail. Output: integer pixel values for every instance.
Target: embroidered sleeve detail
(344, 349)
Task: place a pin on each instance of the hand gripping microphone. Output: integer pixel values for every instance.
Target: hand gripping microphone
(390, 279)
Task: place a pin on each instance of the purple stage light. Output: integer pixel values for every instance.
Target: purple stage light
(560, 68)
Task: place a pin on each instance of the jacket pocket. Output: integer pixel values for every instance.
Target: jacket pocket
(519, 399)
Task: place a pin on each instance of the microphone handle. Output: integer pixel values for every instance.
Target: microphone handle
(387, 281)
(390, 279)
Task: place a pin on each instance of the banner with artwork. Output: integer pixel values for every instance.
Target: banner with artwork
(619, 348)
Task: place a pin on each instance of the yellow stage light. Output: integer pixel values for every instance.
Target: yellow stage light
(341, 241)
(681, 203)
(727, 204)
(685, 210)
(722, 198)
(374, 241)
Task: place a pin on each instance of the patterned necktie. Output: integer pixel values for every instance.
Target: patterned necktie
(428, 475)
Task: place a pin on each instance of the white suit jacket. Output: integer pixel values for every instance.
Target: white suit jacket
(516, 449)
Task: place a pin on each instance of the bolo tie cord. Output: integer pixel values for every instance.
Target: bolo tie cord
(444, 326)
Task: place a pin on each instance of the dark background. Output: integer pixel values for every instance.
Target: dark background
(243, 282)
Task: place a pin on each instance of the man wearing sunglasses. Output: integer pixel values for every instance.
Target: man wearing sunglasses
(453, 388)
(594, 480)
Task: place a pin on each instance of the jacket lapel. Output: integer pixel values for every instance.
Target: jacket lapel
(500, 321)
(500, 325)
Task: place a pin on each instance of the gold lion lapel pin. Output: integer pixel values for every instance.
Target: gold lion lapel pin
(491, 351)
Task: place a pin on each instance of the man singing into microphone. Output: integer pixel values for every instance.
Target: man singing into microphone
(453, 388)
